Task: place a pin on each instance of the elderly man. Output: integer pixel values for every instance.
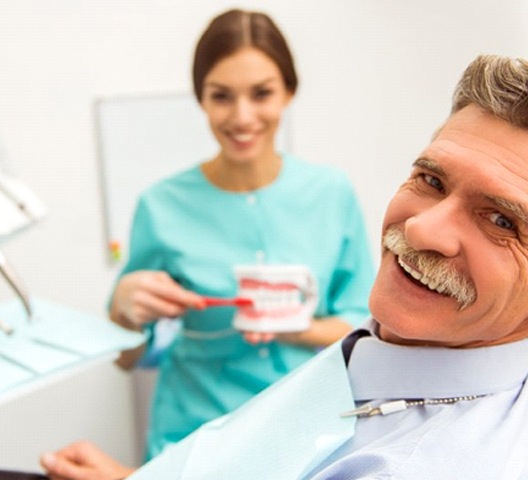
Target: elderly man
(438, 374)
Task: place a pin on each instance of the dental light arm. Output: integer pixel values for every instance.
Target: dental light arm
(19, 209)
(15, 283)
(19, 206)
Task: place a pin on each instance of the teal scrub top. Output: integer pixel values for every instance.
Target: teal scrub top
(197, 232)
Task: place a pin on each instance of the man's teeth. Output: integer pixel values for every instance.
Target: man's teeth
(428, 282)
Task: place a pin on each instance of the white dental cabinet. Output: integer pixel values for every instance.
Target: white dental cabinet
(58, 384)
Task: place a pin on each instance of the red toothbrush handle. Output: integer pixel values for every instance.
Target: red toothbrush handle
(223, 302)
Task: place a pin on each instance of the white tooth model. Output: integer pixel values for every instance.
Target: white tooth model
(284, 297)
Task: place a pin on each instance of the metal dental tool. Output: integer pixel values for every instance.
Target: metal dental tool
(5, 327)
(7, 270)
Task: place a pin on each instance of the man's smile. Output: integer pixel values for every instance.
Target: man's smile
(428, 282)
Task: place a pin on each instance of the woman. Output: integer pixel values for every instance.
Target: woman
(249, 204)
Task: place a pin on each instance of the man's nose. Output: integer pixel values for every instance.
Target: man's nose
(438, 228)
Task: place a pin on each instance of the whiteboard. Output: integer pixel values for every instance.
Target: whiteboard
(141, 139)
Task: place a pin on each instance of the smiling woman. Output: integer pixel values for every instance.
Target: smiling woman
(244, 97)
(249, 204)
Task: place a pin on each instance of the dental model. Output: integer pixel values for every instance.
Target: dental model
(272, 298)
(276, 306)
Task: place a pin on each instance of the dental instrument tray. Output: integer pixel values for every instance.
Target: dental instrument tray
(56, 340)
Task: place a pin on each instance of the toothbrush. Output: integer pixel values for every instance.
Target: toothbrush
(229, 302)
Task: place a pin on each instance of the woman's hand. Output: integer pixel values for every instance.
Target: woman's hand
(143, 296)
(266, 337)
(321, 333)
(259, 337)
(83, 461)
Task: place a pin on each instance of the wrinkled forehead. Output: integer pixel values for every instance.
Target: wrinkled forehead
(480, 140)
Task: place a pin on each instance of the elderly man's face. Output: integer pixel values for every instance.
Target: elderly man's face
(454, 268)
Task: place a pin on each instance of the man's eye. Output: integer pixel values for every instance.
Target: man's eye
(433, 181)
(502, 221)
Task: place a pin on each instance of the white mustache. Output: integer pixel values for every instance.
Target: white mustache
(436, 272)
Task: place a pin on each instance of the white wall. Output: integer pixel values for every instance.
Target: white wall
(376, 79)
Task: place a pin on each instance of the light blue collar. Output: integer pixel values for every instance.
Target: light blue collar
(380, 370)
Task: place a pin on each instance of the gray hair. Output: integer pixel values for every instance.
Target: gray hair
(499, 85)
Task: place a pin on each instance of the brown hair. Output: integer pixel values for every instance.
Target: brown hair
(236, 29)
(499, 85)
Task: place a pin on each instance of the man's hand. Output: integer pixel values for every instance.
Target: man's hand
(83, 461)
